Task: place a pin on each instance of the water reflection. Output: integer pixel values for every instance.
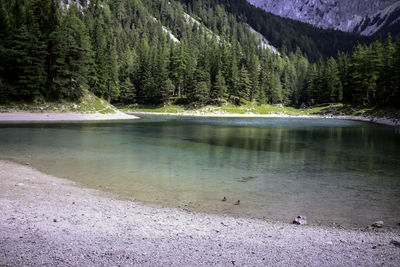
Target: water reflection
(277, 167)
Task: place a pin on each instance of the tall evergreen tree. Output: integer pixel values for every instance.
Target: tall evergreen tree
(245, 84)
(219, 88)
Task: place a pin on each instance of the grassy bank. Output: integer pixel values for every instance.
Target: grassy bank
(253, 108)
(89, 103)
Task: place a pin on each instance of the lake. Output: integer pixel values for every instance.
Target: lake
(332, 171)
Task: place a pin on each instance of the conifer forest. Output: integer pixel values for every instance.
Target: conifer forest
(186, 52)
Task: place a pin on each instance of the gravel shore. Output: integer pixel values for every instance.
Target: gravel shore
(28, 116)
(45, 220)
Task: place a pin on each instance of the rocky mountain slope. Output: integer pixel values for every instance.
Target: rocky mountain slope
(366, 17)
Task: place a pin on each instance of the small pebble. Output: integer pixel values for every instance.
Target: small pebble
(55, 220)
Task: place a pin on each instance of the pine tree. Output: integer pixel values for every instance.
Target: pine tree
(98, 81)
(219, 89)
(245, 84)
(333, 83)
(27, 54)
(178, 66)
(4, 55)
(167, 90)
(275, 89)
(127, 73)
(200, 92)
(143, 77)
(112, 68)
(254, 74)
(311, 79)
(72, 52)
(386, 83)
(234, 78)
(160, 72)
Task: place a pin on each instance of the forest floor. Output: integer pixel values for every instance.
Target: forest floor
(48, 221)
(387, 116)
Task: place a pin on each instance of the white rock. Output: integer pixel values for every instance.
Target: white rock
(301, 220)
(378, 224)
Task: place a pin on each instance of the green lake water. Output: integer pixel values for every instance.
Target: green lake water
(332, 171)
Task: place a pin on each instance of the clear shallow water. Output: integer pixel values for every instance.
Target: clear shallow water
(330, 170)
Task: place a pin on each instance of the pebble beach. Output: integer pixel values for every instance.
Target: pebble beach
(45, 220)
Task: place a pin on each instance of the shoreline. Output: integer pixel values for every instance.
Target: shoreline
(45, 220)
(119, 115)
(68, 116)
(376, 120)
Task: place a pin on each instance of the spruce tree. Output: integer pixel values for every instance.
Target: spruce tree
(178, 66)
(112, 68)
(245, 84)
(219, 89)
(333, 83)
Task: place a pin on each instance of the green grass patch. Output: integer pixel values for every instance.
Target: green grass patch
(89, 103)
(254, 108)
(148, 108)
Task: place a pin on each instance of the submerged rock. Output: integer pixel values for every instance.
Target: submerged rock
(378, 224)
(300, 220)
(395, 243)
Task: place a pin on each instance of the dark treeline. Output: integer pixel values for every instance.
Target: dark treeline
(153, 52)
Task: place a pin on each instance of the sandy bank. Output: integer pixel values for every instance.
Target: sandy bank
(45, 220)
(26, 116)
(384, 121)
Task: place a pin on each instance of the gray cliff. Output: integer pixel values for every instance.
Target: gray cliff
(362, 16)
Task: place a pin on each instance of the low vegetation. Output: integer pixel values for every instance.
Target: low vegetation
(88, 103)
(266, 109)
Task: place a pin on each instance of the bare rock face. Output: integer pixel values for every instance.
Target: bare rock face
(362, 16)
(300, 220)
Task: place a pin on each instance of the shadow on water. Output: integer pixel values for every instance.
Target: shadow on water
(255, 144)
